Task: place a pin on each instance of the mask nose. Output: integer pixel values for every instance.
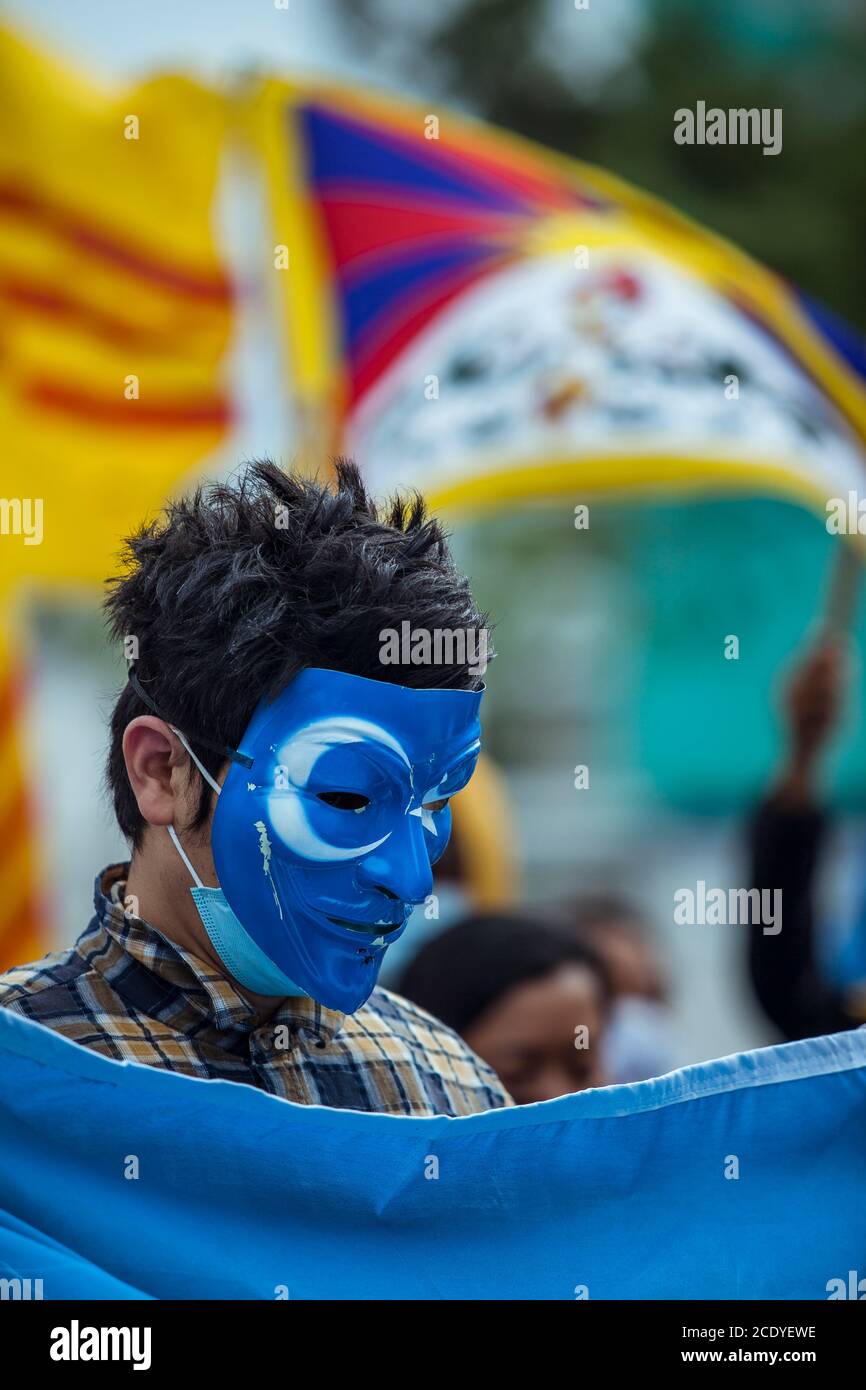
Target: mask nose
(401, 867)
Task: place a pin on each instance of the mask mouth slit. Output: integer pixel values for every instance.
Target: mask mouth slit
(365, 928)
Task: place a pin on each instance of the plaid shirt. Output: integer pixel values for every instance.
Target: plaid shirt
(130, 993)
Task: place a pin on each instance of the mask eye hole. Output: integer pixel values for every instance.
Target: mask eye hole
(437, 805)
(345, 801)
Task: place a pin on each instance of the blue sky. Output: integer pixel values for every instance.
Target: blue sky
(213, 38)
(209, 37)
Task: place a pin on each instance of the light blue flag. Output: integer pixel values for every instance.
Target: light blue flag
(739, 1178)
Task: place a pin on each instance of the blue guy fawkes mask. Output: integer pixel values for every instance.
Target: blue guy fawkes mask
(327, 825)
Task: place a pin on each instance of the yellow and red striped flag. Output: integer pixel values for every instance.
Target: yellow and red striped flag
(115, 314)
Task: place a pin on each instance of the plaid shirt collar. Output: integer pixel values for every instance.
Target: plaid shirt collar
(212, 996)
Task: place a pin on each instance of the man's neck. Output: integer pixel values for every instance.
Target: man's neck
(158, 884)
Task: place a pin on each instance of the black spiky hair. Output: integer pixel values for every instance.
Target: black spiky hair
(241, 585)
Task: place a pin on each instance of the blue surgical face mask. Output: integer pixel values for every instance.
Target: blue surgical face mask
(235, 947)
(326, 828)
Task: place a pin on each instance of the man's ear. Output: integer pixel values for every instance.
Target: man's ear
(154, 757)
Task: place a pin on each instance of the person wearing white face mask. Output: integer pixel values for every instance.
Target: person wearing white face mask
(641, 1039)
(554, 1002)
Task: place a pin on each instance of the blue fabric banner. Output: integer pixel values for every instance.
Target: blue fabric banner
(738, 1178)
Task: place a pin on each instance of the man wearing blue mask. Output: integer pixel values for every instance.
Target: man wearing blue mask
(284, 783)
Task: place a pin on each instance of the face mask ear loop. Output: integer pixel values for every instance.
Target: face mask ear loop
(171, 830)
(182, 852)
(203, 770)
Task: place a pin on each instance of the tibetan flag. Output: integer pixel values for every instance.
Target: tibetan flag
(499, 326)
(491, 322)
(736, 1179)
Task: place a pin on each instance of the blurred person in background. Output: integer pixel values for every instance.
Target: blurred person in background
(800, 994)
(524, 994)
(640, 1039)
